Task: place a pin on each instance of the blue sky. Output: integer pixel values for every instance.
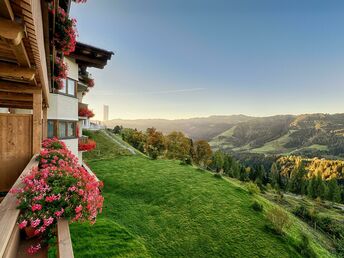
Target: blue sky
(192, 58)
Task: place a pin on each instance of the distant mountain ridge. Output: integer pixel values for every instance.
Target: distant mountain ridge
(308, 134)
(196, 128)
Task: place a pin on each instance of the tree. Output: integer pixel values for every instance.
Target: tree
(316, 187)
(177, 146)
(275, 176)
(218, 161)
(296, 182)
(155, 143)
(333, 192)
(203, 153)
(227, 165)
(117, 129)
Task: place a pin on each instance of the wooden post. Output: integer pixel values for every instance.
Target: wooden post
(37, 122)
(45, 123)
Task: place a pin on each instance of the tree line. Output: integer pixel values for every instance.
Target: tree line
(313, 177)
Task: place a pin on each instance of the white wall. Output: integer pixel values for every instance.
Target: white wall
(63, 107)
(72, 145)
(73, 68)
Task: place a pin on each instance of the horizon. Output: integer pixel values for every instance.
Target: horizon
(214, 115)
(177, 59)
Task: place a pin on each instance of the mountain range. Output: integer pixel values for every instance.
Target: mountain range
(307, 134)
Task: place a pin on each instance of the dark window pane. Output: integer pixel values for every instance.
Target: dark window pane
(62, 129)
(50, 129)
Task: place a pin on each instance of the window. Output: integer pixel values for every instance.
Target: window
(50, 129)
(69, 87)
(62, 129)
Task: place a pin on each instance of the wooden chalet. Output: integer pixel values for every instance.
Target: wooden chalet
(29, 107)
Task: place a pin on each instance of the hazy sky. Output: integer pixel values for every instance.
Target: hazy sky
(186, 58)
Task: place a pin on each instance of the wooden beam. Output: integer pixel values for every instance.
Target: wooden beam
(6, 10)
(15, 96)
(21, 54)
(45, 123)
(37, 122)
(11, 71)
(18, 87)
(15, 104)
(11, 31)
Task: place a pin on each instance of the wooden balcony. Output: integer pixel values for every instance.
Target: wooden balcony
(11, 245)
(83, 139)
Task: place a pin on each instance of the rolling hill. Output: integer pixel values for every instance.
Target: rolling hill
(160, 208)
(309, 135)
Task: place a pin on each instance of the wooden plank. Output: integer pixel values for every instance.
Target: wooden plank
(13, 244)
(9, 213)
(15, 96)
(21, 54)
(11, 71)
(18, 87)
(37, 122)
(64, 241)
(45, 123)
(15, 104)
(11, 31)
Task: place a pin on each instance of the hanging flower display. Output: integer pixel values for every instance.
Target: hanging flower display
(65, 32)
(60, 73)
(86, 112)
(57, 188)
(88, 146)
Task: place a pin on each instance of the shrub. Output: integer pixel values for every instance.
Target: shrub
(305, 248)
(279, 220)
(257, 206)
(218, 176)
(253, 188)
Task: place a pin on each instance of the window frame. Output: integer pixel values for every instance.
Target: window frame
(74, 94)
(57, 132)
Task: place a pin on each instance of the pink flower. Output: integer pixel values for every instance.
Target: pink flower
(78, 209)
(59, 213)
(23, 224)
(47, 222)
(36, 207)
(35, 223)
(33, 249)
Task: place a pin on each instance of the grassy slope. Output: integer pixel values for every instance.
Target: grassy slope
(175, 210)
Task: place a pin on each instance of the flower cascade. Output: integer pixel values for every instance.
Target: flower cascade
(57, 188)
(88, 146)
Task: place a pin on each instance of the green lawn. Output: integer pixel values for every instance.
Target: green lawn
(164, 209)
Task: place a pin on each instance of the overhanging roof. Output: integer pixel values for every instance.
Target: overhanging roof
(90, 56)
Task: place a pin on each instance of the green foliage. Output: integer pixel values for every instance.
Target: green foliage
(279, 219)
(333, 191)
(155, 143)
(257, 206)
(202, 154)
(305, 248)
(218, 161)
(177, 146)
(253, 188)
